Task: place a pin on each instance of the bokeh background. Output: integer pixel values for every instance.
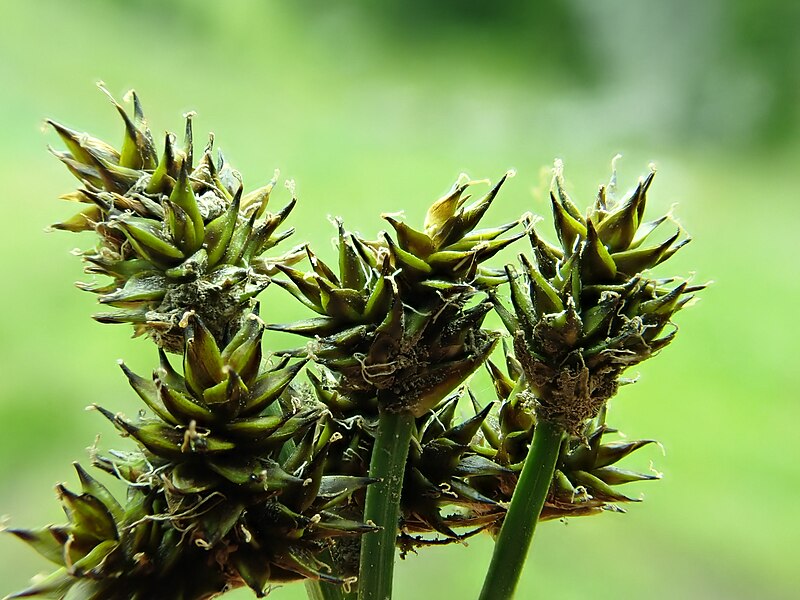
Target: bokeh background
(378, 106)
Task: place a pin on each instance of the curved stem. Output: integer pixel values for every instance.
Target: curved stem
(516, 534)
(388, 463)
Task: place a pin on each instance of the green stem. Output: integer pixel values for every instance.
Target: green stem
(388, 464)
(317, 590)
(516, 534)
(314, 590)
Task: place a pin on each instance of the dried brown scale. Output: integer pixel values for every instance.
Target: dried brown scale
(222, 312)
(395, 370)
(414, 374)
(570, 394)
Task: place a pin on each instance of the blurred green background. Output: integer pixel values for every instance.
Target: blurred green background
(378, 106)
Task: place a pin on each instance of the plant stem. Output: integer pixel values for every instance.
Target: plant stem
(516, 533)
(320, 590)
(314, 590)
(388, 464)
(317, 590)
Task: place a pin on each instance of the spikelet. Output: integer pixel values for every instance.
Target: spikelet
(174, 234)
(399, 324)
(586, 310)
(118, 550)
(232, 468)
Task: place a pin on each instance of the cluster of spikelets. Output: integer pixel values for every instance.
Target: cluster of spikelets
(245, 476)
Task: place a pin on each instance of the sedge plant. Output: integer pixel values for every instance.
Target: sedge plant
(318, 463)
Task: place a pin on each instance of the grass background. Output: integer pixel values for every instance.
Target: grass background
(379, 109)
